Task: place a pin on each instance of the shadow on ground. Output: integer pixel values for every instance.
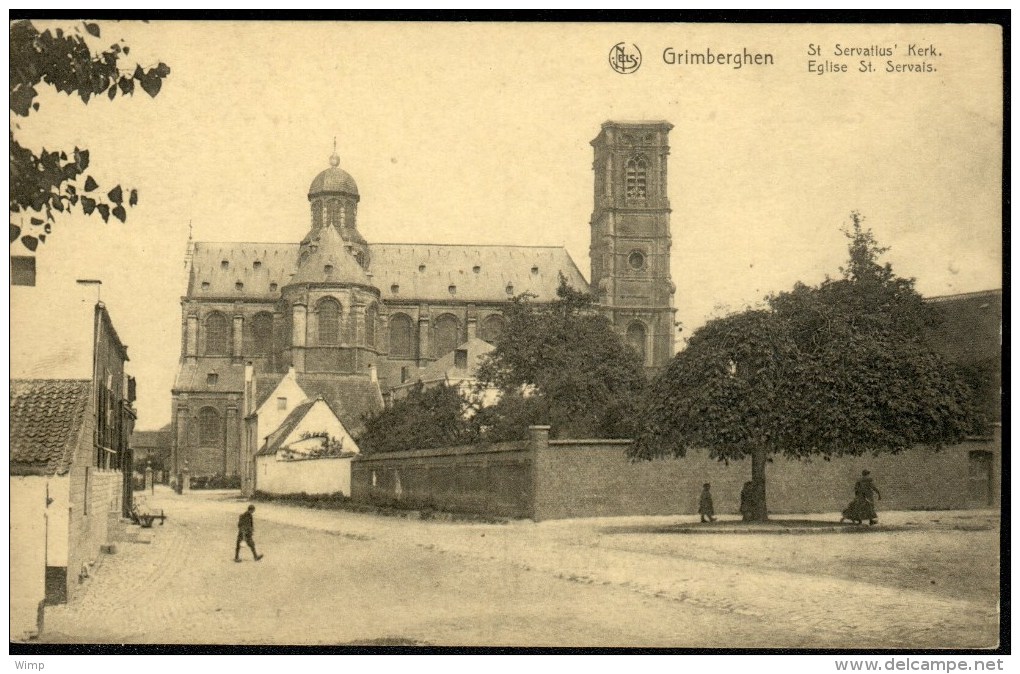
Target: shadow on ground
(775, 526)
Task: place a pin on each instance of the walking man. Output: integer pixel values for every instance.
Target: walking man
(246, 532)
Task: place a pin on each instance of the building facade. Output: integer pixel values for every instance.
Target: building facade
(361, 316)
(70, 466)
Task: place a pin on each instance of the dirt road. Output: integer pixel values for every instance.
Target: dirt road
(332, 577)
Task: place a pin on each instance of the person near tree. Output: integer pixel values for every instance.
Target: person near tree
(705, 507)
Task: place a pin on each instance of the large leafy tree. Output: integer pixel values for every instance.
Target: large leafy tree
(841, 368)
(46, 182)
(578, 376)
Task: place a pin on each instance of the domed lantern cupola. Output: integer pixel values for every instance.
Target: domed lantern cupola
(334, 197)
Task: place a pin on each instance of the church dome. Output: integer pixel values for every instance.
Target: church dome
(334, 179)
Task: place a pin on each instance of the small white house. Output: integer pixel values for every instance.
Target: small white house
(310, 452)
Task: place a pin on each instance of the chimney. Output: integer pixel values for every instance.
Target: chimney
(472, 327)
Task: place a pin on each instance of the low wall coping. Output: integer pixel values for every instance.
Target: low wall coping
(459, 450)
(595, 441)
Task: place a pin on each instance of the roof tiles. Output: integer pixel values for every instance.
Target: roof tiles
(45, 424)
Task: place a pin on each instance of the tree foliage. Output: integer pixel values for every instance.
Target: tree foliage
(828, 370)
(46, 182)
(425, 419)
(583, 379)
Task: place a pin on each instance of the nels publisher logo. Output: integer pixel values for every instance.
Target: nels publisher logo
(625, 58)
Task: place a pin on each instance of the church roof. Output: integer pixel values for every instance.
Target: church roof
(218, 268)
(421, 271)
(194, 375)
(330, 262)
(401, 271)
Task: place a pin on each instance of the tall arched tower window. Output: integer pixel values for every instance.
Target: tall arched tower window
(262, 334)
(637, 337)
(317, 213)
(328, 311)
(371, 318)
(217, 334)
(637, 177)
(447, 334)
(209, 434)
(401, 334)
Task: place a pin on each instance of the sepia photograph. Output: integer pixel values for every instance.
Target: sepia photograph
(443, 335)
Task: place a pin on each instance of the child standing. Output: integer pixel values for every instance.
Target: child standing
(705, 508)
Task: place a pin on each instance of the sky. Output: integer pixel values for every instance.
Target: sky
(479, 133)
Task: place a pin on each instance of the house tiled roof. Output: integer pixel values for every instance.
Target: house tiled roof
(151, 439)
(45, 424)
(402, 272)
(265, 384)
(971, 326)
(276, 438)
(350, 397)
(445, 369)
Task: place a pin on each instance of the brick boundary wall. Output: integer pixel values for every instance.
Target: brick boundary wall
(553, 479)
(493, 479)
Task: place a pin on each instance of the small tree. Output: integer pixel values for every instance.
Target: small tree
(47, 182)
(842, 368)
(581, 378)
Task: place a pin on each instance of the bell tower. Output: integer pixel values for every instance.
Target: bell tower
(630, 236)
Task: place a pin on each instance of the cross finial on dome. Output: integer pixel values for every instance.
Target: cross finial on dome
(334, 159)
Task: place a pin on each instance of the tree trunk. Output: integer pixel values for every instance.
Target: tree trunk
(758, 511)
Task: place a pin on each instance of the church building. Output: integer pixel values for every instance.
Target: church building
(351, 320)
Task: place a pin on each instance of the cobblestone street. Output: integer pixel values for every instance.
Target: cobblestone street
(923, 580)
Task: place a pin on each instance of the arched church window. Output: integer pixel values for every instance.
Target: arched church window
(328, 310)
(371, 318)
(317, 213)
(636, 338)
(492, 328)
(447, 335)
(401, 334)
(262, 334)
(333, 212)
(637, 177)
(209, 434)
(217, 334)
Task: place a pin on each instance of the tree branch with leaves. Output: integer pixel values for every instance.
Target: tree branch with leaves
(44, 183)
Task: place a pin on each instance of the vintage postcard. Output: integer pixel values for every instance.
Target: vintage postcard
(506, 334)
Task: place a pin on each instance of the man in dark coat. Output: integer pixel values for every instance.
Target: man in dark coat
(246, 533)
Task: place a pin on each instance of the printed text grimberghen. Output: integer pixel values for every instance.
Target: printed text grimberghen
(712, 57)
